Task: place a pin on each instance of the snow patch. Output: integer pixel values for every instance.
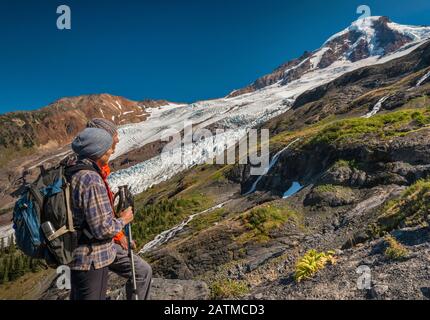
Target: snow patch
(295, 187)
(118, 104)
(416, 33)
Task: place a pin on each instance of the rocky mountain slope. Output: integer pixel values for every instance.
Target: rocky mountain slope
(363, 189)
(56, 124)
(31, 138)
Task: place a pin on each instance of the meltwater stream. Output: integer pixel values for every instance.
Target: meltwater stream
(271, 164)
(421, 81)
(165, 236)
(376, 108)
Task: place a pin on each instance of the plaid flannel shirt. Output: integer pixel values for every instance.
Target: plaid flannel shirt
(90, 202)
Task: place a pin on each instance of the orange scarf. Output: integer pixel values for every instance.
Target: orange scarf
(105, 172)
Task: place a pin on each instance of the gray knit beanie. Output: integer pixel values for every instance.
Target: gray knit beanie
(103, 124)
(92, 143)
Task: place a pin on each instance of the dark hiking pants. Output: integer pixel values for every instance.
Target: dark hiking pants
(89, 285)
(122, 267)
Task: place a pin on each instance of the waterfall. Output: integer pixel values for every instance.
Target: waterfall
(421, 81)
(271, 164)
(376, 107)
(165, 236)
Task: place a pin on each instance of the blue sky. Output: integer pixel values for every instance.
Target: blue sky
(181, 50)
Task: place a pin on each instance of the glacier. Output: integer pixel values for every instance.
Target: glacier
(239, 113)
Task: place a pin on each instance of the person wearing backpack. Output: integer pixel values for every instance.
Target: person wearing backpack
(93, 217)
(122, 263)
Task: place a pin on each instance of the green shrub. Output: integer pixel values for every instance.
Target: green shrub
(265, 219)
(421, 118)
(261, 221)
(395, 250)
(345, 163)
(311, 263)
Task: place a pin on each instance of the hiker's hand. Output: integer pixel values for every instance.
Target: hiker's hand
(123, 242)
(133, 245)
(127, 215)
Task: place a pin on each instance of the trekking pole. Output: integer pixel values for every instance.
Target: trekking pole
(126, 200)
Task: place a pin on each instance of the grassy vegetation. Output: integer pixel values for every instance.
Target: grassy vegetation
(394, 250)
(346, 163)
(218, 172)
(383, 126)
(420, 118)
(410, 209)
(152, 219)
(228, 288)
(286, 136)
(311, 263)
(262, 220)
(204, 221)
(330, 188)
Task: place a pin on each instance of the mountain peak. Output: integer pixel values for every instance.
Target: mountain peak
(374, 36)
(364, 26)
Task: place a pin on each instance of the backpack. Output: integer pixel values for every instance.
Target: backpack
(43, 219)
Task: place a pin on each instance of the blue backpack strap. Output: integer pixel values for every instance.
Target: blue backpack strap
(53, 189)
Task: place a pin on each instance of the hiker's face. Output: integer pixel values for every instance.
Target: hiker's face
(105, 158)
(115, 141)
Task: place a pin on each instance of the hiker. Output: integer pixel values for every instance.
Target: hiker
(93, 217)
(121, 264)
